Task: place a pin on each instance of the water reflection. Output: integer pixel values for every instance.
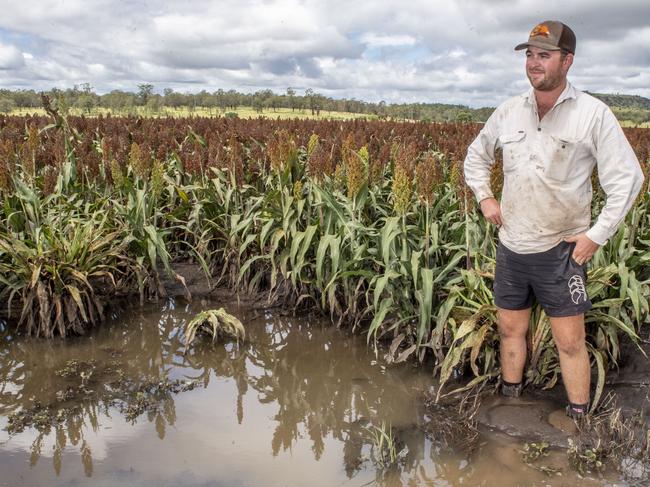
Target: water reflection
(320, 384)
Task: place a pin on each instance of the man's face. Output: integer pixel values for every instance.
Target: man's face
(546, 70)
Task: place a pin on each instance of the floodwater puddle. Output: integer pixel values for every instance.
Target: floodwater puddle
(298, 403)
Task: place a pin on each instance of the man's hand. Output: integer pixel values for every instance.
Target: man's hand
(585, 248)
(492, 211)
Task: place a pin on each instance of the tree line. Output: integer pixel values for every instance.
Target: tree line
(84, 98)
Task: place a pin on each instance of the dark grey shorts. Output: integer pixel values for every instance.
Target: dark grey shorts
(553, 277)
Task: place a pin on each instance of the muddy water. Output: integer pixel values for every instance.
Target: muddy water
(297, 404)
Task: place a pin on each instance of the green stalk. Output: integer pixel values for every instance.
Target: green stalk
(426, 236)
(469, 256)
(404, 240)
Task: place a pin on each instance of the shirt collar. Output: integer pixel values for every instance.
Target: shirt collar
(568, 93)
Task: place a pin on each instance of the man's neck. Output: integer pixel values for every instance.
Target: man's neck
(546, 99)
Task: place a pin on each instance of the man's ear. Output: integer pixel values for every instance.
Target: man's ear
(568, 61)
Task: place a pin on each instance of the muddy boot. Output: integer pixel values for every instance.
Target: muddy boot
(508, 389)
(577, 412)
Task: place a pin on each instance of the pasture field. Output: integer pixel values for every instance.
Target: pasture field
(242, 112)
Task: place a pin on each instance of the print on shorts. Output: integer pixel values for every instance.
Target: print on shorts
(577, 289)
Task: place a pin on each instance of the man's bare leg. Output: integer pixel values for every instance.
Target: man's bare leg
(569, 337)
(513, 326)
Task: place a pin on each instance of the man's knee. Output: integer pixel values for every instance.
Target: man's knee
(569, 335)
(571, 346)
(513, 323)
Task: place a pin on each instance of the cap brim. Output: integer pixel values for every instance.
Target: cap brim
(540, 44)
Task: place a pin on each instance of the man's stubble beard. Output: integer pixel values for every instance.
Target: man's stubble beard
(549, 82)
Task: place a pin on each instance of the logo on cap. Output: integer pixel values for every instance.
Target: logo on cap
(540, 30)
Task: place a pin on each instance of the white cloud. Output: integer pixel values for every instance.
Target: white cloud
(457, 53)
(378, 40)
(424, 50)
(10, 57)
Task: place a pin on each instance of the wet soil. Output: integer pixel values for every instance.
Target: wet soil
(628, 385)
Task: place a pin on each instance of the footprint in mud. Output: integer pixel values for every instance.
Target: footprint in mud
(528, 420)
(558, 419)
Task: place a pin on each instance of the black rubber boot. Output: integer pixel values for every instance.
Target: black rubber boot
(508, 389)
(577, 412)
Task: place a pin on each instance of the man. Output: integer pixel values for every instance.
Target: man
(551, 137)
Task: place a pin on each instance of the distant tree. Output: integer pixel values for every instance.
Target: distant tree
(6, 105)
(118, 100)
(232, 99)
(274, 102)
(464, 116)
(222, 99)
(26, 98)
(82, 96)
(209, 101)
(628, 107)
(309, 95)
(173, 99)
(168, 96)
(154, 103)
(258, 103)
(85, 88)
(145, 90)
(318, 102)
(381, 109)
(202, 99)
(291, 93)
(87, 102)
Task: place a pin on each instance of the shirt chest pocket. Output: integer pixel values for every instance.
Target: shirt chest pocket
(559, 157)
(513, 145)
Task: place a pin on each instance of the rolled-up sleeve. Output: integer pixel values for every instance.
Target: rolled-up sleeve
(620, 176)
(479, 160)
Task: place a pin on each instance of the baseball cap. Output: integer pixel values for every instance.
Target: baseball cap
(551, 35)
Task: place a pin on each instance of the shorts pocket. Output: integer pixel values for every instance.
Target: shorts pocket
(572, 261)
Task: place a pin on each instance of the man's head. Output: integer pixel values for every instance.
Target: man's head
(549, 54)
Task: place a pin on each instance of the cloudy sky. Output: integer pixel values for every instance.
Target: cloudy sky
(422, 50)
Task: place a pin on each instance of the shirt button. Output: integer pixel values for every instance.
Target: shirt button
(539, 129)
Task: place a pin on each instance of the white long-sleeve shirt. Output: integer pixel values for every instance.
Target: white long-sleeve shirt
(547, 168)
